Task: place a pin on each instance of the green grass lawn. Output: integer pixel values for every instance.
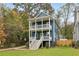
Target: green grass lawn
(57, 51)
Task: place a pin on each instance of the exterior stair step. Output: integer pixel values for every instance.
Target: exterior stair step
(35, 44)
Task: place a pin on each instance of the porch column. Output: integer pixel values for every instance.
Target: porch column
(35, 28)
(42, 27)
(77, 33)
(42, 33)
(49, 32)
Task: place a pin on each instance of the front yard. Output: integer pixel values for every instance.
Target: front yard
(57, 51)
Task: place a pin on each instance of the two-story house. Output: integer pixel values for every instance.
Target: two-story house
(42, 29)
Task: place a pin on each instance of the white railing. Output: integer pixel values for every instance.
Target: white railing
(39, 42)
(45, 25)
(40, 26)
(32, 27)
(47, 38)
(32, 38)
(36, 44)
(44, 38)
(33, 41)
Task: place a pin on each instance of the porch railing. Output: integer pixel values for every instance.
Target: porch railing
(47, 38)
(45, 25)
(32, 27)
(32, 38)
(44, 38)
(40, 26)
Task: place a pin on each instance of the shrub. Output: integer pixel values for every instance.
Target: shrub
(2, 34)
(64, 43)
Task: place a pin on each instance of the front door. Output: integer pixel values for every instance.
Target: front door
(38, 36)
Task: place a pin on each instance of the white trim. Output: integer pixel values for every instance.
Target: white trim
(49, 32)
(39, 17)
(42, 33)
(41, 12)
(35, 29)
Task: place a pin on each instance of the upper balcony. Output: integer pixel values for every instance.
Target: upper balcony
(38, 27)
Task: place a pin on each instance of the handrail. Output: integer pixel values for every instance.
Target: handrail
(33, 41)
(39, 42)
(40, 26)
(45, 25)
(36, 43)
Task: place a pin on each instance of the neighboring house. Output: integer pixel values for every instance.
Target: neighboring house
(76, 25)
(42, 30)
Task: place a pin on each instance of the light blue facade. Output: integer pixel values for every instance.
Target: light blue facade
(50, 33)
(54, 31)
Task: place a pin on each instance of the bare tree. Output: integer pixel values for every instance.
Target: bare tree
(66, 12)
(32, 9)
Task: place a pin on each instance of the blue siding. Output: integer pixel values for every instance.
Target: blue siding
(54, 31)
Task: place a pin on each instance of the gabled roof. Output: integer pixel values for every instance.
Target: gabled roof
(41, 14)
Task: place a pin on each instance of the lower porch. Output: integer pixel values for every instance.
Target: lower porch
(46, 35)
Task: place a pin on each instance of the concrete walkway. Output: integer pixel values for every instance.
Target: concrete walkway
(14, 48)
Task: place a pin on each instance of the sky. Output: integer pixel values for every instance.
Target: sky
(56, 6)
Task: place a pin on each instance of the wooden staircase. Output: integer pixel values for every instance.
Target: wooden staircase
(35, 44)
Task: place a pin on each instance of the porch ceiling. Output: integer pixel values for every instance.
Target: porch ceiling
(39, 18)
